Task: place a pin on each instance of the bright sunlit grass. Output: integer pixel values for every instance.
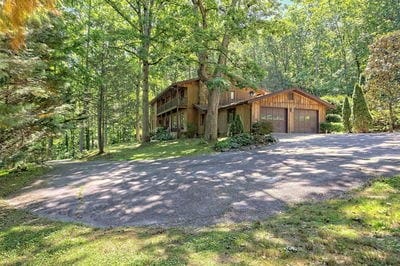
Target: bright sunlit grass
(155, 150)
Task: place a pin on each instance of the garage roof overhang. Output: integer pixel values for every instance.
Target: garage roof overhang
(297, 90)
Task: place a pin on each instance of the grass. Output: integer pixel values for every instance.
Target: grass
(363, 229)
(155, 150)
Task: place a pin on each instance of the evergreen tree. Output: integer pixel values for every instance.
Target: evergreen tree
(236, 127)
(361, 116)
(346, 115)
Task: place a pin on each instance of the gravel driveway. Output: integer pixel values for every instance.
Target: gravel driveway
(205, 190)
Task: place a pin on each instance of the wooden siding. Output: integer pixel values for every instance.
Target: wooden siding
(283, 101)
(244, 111)
(222, 122)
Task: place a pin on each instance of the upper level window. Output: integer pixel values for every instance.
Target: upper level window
(232, 95)
(290, 96)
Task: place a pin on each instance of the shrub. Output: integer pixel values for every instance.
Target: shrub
(162, 134)
(362, 118)
(346, 113)
(328, 127)
(236, 126)
(261, 128)
(333, 118)
(337, 101)
(191, 130)
(242, 140)
(264, 139)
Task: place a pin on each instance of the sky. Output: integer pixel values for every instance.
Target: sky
(287, 2)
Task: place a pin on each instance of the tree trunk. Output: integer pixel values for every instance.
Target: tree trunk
(100, 109)
(100, 118)
(211, 129)
(86, 94)
(146, 33)
(145, 103)
(87, 136)
(391, 117)
(81, 138)
(137, 114)
(211, 125)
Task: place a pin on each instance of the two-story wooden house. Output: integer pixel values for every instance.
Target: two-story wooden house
(184, 104)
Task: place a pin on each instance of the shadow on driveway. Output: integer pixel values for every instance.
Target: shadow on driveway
(205, 190)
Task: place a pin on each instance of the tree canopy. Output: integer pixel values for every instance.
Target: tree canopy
(77, 76)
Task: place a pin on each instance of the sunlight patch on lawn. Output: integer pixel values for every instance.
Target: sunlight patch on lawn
(155, 150)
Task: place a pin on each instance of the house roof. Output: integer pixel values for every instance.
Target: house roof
(272, 94)
(183, 82)
(297, 90)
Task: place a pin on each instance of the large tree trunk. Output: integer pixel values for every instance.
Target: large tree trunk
(211, 130)
(211, 126)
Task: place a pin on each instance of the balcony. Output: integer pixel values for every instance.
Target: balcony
(172, 104)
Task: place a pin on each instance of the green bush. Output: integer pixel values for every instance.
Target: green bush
(333, 118)
(337, 101)
(236, 126)
(243, 140)
(234, 142)
(261, 128)
(264, 139)
(162, 134)
(328, 127)
(191, 130)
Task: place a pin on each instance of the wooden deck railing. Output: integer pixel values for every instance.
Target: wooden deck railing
(174, 103)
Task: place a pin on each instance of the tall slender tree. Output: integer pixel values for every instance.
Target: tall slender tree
(361, 116)
(346, 114)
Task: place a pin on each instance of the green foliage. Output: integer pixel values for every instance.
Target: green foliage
(329, 127)
(262, 128)
(234, 142)
(383, 79)
(333, 118)
(336, 101)
(346, 113)
(191, 130)
(162, 134)
(236, 126)
(361, 116)
(31, 92)
(218, 83)
(243, 140)
(264, 139)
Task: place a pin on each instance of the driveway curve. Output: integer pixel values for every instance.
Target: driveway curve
(206, 190)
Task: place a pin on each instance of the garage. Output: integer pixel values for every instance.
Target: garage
(305, 121)
(277, 116)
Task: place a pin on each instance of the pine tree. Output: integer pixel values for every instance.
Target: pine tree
(346, 114)
(361, 116)
(236, 127)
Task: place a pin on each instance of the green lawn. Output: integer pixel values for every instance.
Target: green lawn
(363, 229)
(155, 150)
